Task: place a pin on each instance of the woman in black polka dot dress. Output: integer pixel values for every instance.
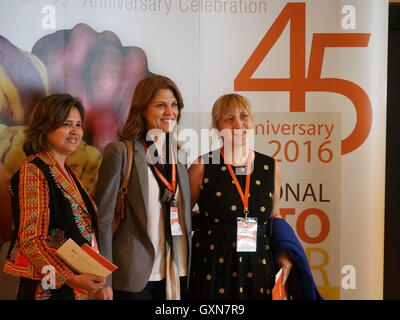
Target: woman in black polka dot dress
(218, 184)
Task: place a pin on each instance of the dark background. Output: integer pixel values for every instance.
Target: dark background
(391, 288)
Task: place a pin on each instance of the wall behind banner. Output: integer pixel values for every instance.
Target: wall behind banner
(392, 218)
(320, 62)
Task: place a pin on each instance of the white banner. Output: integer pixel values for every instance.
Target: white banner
(314, 71)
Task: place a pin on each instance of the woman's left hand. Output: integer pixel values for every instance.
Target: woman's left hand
(286, 264)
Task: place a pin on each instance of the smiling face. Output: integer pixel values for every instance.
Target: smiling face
(66, 139)
(234, 126)
(232, 117)
(162, 111)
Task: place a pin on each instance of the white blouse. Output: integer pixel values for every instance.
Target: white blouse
(155, 230)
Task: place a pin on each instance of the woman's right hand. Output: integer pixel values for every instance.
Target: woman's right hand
(87, 281)
(105, 293)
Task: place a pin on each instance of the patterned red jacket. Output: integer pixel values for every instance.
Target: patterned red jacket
(48, 208)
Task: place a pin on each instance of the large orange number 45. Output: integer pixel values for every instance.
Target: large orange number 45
(298, 84)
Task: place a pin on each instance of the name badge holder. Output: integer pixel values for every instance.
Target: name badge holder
(171, 186)
(174, 219)
(94, 244)
(246, 234)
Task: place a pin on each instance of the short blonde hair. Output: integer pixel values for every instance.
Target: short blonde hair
(232, 102)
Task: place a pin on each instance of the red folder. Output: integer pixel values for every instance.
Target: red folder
(85, 260)
(279, 292)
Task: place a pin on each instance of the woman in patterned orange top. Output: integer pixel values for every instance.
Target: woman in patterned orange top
(50, 205)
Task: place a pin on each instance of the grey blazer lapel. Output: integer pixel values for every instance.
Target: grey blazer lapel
(185, 192)
(142, 167)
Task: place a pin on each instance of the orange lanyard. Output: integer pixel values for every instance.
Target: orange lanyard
(171, 186)
(244, 196)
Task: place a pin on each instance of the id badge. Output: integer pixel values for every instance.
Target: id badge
(246, 235)
(94, 244)
(175, 225)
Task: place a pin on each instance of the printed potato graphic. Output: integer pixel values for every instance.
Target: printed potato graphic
(85, 163)
(100, 71)
(92, 66)
(5, 205)
(23, 81)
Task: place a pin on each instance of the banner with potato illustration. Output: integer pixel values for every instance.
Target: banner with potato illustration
(314, 71)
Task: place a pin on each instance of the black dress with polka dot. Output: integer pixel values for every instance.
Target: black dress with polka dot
(218, 271)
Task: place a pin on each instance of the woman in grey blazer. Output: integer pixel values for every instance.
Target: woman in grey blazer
(152, 245)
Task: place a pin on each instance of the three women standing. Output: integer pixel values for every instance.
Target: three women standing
(237, 243)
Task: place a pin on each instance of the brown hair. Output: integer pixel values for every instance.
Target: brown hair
(145, 91)
(229, 103)
(49, 114)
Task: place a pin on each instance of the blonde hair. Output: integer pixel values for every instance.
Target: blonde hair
(227, 103)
